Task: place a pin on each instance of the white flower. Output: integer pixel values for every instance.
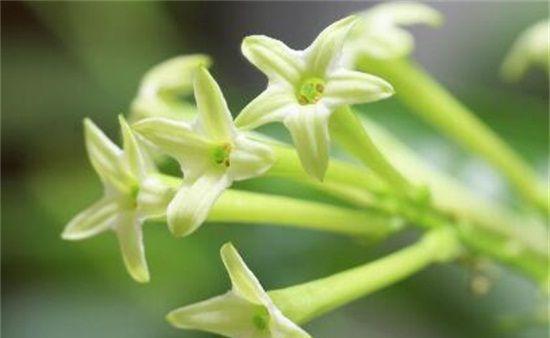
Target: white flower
(305, 88)
(378, 32)
(163, 87)
(531, 48)
(211, 151)
(246, 311)
(132, 193)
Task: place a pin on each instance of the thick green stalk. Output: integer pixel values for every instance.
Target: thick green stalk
(304, 302)
(250, 207)
(423, 95)
(348, 130)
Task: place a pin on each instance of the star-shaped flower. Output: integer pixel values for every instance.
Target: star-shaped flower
(211, 151)
(132, 193)
(531, 48)
(246, 311)
(305, 88)
(378, 32)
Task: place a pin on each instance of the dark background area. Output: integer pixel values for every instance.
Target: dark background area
(63, 61)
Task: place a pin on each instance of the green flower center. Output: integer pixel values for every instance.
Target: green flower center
(261, 319)
(311, 90)
(221, 153)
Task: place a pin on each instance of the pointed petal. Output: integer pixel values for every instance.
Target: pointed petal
(352, 87)
(272, 105)
(273, 58)
(99, 217)
(130, 239)
(138, 161)
(245, 284)
(228, 315)
(104, 156)
(214, 116)
(325, 50)
(404, 13)
(192, 203)
(309, 131)
(177, 139)
(250, 158)
(175, 74)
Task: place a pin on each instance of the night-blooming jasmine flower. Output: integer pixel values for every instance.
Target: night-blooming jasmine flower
(211, 151)
(132, 193)
(246, 311)
(305, 88)
(378, 32)
(531, 48)
(163, 88)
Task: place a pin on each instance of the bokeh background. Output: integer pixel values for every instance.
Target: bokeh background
(63, 61)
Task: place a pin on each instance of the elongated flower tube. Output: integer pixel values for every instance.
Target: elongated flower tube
(378, 32)
(125, 203)
(532, 48)
(211, 151)
(304, 89)
(246, 311)
(162, 88)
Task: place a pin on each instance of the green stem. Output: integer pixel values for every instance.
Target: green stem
(250, 207)
(423, 95)
(348, 130)
(303, 302)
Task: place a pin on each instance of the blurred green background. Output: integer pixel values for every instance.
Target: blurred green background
(63, 61)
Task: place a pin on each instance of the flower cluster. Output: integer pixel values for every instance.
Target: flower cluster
(304, 89)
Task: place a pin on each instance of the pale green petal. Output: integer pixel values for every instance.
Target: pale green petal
(244, 283)
(325, 50)
(99, 217)
(175, 75)
(282, 327)
(387, 43)
(130, 239)
(177, 139)
(228, 315)
(272, 105)
(138, 160)
(352, 87)
(214, 116)
(273, 58)
(250, 158)
(404, 13)
(155, 194)
(105, 157)
(309, 131)
(192, 203)
(531, 48)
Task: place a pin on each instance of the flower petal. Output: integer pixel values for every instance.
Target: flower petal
(190, 207)
(309, 131)
(352, 87)
(284, 328)
(155, 193)
(250, 158)
(105, 157)
(531, 48)
(244, 283)
(99, 217)
(177, 139)
(228, 315)
(270, 106)
(326, 48)
(275, 59)
(175, 74)
(403, 13)
(130, 239)
(214, 116)
(138, 161)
